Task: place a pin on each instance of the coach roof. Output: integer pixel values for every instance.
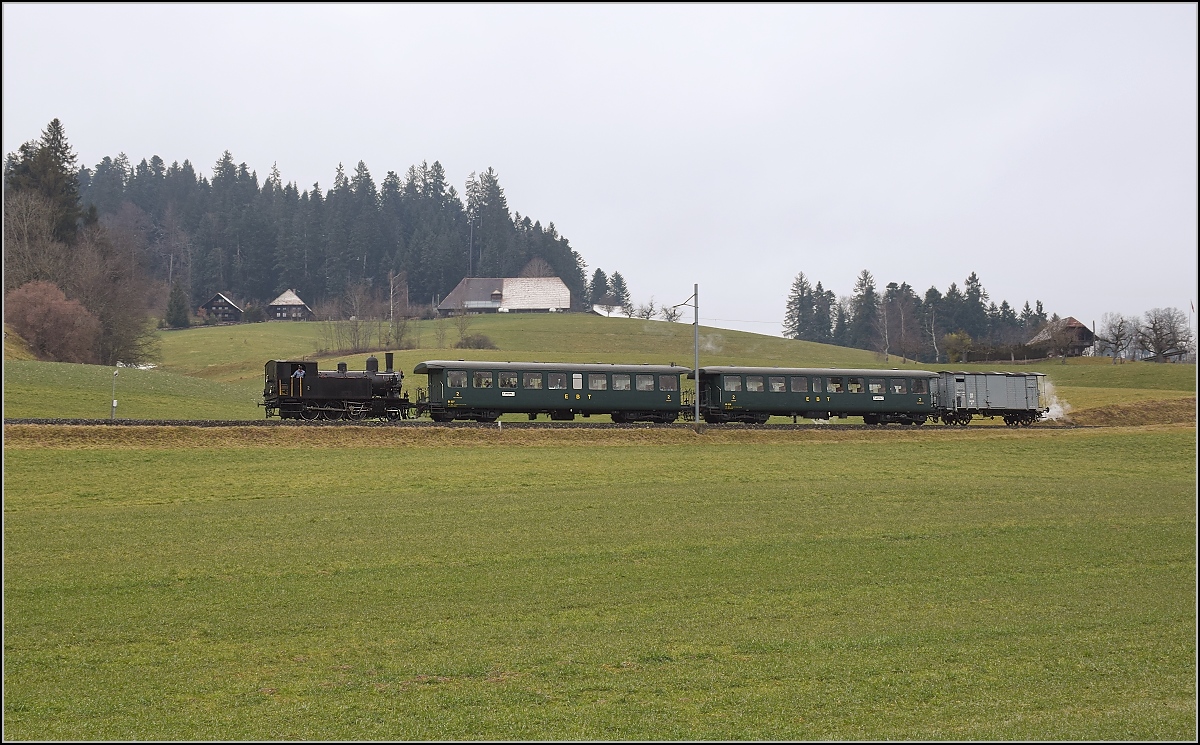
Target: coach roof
(435, 365)
(824, 371)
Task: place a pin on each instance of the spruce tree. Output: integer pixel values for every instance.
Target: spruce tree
(598, 287)
(620, 291)
(177, 307)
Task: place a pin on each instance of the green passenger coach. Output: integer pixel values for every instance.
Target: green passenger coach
(482, 391)
(754, 394)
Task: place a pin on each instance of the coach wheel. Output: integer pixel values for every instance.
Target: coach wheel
(949, 419)
(964, 420)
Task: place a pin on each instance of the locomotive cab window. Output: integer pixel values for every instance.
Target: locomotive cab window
(733, 383)
(668, 383)
(481, 379)
(597, 382)
(754, 383)
(776, 385)
(508, 380)
(897, 385)
(835, 385)
(644, 382)
(799, 385)
(875, 385)
(556, 381)
(533, 380)
(620, 382)
(854, 385)
(920, 385)
(456, 378)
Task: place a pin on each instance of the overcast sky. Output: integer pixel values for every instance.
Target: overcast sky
(1051, 149)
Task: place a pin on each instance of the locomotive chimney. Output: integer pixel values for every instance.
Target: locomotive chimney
(387, 359)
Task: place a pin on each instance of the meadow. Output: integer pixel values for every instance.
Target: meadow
(353, 583)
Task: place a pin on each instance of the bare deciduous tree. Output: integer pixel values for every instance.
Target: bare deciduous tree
(647, 310)
(670, 313)
(1117, 333)
(537, 267)
(1164, 330)
(31, 252)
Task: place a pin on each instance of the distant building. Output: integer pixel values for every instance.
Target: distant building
(507, 295)
(1078, 336)
(289, 307)
(222, 309)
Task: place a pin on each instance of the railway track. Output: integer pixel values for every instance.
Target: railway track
(424, 423)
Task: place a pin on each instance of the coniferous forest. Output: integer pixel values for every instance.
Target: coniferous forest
(254, 238)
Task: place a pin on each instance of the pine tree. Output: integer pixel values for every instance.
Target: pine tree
(620, 291)
(864, 313)
(177, 307)
(798, 316)
(598, 288)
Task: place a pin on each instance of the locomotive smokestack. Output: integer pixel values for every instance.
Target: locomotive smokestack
(387, 360)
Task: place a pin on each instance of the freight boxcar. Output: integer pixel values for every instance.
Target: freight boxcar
(1019, 398)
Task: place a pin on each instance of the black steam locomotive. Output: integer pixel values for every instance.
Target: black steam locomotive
(298, 390)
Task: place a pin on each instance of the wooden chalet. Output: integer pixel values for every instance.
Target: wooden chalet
(289, 307)
(222, 308)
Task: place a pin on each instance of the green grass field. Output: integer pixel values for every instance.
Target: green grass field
(478, 584)
(352, 583)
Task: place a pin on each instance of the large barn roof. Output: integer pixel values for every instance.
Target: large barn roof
(289, 297)
(508, 294)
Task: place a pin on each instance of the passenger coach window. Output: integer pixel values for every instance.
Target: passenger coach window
(533, 380)
(920, 385)
(835, 385)
(597, 382)
(875, 385)
(776, 385)
(816, 385)
(556, 381)
(897, 385)
(620, 382)
(481, 380)
(800, 385)
(668, 383)
(644, 382)
(508, 380)
(854, 385)
(754, 383)
(456, 378)
(733, 383)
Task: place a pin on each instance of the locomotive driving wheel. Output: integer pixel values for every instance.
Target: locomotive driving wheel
(309, 412)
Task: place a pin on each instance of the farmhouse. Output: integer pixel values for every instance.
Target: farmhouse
(507, 295)
(289, 307)
(222, 309)
(1067, 333)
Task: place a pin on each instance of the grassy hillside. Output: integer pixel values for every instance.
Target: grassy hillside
(15, 347)
(216, 372)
